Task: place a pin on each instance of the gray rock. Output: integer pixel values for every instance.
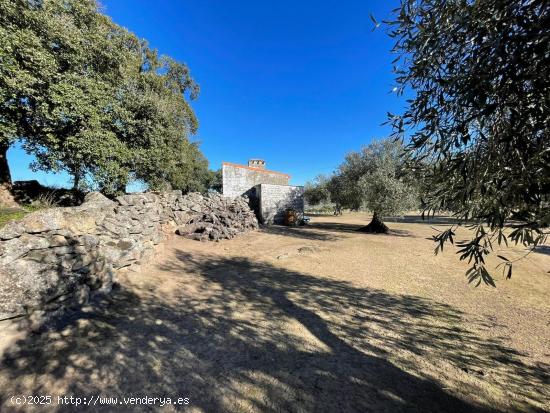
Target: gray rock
(46, 256)
(43, 221)
(150, 197)
(67, 261)
(57, 240)
(112, 227)
(83, 261)
(33, 242)
(12, 229)
(63, 232)
(27, 285)
(136, 229)
(128, 200)
(88, 241)
(97, 200)
(121, 200)
(16, 248)
(64, 250)
(83, 221)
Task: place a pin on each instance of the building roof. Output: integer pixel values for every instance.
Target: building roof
(255, 169)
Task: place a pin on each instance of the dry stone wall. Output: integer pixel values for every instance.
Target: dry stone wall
(55, 258)
(274, 200)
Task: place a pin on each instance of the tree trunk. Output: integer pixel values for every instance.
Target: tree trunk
(376, 226)
(121, 188)
(6, 196)
(76, 181)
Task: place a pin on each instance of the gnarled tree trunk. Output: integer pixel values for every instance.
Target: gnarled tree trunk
(376, 226)
(6, 196)
(76, 181)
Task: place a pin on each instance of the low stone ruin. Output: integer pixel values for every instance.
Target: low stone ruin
(55, 258)
(216, 217)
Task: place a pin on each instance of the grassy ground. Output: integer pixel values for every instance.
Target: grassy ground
(315, 319)
(11, 214)
(14, 214)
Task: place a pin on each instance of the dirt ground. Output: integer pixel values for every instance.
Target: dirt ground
(315, 319)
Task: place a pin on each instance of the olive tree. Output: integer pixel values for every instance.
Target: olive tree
(337, 189)
(477, 120)
(376, 179)
(317, 191)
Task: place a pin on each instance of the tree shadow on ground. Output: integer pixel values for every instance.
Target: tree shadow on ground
(248, 336)
(417, 219)
(326, 231)
(543, 249)
(306, 232)
(406, 219)
(354, 228)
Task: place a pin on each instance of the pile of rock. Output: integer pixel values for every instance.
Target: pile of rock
(214, 217)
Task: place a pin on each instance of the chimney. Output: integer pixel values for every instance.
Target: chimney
(256, 163)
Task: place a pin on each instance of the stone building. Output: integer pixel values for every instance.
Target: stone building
(269, 192)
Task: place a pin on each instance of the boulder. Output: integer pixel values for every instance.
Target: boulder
(98, 200)
(12, 229)
(43, 221)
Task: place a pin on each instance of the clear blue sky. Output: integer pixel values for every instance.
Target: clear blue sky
(297, 83)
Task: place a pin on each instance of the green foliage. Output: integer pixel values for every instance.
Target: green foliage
(385, 185)
(7, 215)
(215, 183)
(156, 121)
(89, 97)
(317, 192)
(478, 119)
(345, 191)
(65, 59)
(374, 178)
(10, 214)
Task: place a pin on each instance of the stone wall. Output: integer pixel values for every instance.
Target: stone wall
(273, 200)
(240, 180)
(54, 259)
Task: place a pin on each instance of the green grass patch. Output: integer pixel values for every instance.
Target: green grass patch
(12, 214)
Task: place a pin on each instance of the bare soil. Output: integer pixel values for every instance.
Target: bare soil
(321, 318)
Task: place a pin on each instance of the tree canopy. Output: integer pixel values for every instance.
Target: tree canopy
(374, 178)
(317, 192)
(86, 96)
(477, 121)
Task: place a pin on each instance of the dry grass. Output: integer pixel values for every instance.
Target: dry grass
(43, 201)
(315, 319)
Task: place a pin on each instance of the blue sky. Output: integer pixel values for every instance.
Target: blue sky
(297, 83)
